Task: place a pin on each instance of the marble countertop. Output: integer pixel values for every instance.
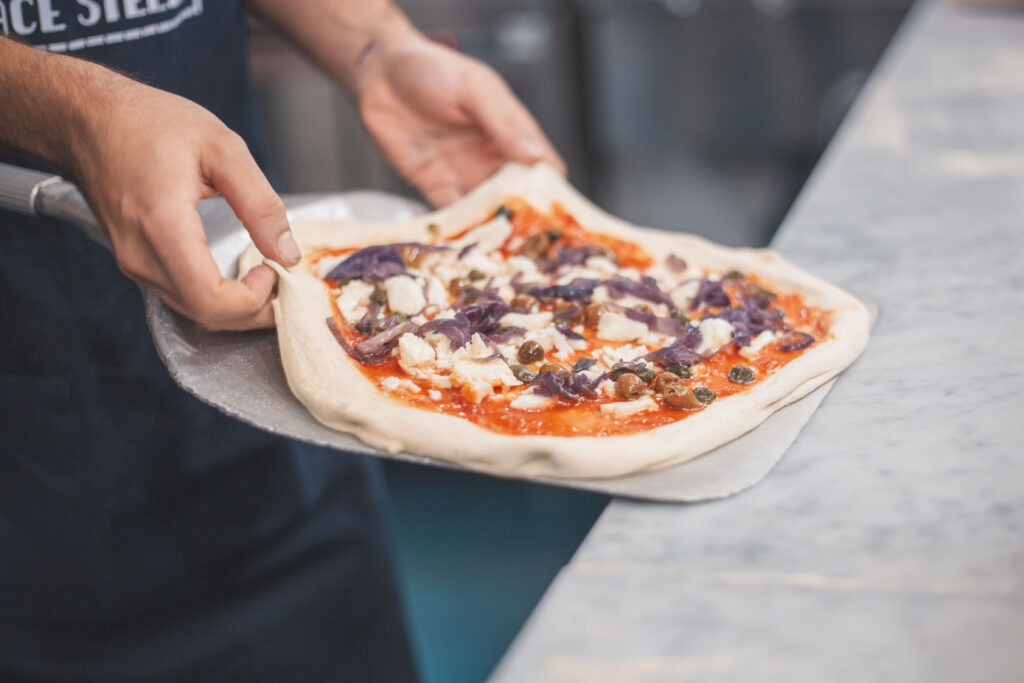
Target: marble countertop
(888, 545)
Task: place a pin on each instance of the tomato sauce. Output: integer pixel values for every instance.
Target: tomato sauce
(585, 418)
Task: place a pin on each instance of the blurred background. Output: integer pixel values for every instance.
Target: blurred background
(703, 116)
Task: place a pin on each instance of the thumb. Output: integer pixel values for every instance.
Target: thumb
(231, 170)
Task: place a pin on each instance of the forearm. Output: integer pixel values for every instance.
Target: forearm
(50, 103)
(348, 38)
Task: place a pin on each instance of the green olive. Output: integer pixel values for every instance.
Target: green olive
(680, 369)
(741, 374)
(704, 395)
(523, 373)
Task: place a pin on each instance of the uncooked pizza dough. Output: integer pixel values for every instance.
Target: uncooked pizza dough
(340, 395)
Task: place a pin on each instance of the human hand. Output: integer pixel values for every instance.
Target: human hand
(446, 121)
(143, 163)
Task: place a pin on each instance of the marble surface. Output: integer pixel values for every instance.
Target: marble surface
(888, 545)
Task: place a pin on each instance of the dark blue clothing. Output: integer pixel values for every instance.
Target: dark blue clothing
(143, 535)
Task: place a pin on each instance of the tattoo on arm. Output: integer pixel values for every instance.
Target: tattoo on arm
(364, 53)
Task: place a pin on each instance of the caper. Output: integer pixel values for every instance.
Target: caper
(550, 367)
(733, 275)
(629, 386)
(476, 275)
(530, 352)
(592, 314)
(470, 294)
(537, 246)
(704, 395)
(502, 330)
(523, 373)
(503, 211)
(619, 371)
(457, 284)
(379, 295)
(664, 380)
(646, 374)
(680, 370)
(554, 234)
(522, 301)
(677, 314)
(434, 229)
(679, 397)
(741, 374)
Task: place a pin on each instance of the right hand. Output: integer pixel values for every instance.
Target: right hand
(143, 163)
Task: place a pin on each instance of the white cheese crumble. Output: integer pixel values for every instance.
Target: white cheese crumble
(612, 326)
(353, 299)
(625, 408)
(682, 296)
(414, 352)
(715, 333)
(753, 350)
(434, 394)
(529, 321)
(325, 265)
(405, 295)
(488, 237)
(477, 379)
(436, 293)
(528, 400)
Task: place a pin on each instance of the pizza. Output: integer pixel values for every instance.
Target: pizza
(523, 331)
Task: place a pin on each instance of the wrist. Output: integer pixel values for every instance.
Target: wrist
(379, 46)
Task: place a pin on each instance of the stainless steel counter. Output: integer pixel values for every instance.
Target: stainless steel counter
(888, 545)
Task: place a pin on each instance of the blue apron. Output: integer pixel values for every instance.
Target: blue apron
(143, 535)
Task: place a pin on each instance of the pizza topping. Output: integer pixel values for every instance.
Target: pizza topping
(616, 327)
(530, 352)
(372, 264)
(675, 263)
(710, 293)
(679, 370)
(678, 396)
(523, 373)
(627, 408)
(741, 374)
(704, 395)
(404, 295)
(794, 341)
(629, 386)
(478, 315)
(715, 333)
(666, 379)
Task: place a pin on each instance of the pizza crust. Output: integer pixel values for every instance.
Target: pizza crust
(340, 396)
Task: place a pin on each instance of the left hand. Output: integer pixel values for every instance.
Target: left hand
(446, 121)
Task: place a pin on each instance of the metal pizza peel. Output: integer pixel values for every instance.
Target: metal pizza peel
(241, 373)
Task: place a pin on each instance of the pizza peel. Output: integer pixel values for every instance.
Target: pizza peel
(241, 373)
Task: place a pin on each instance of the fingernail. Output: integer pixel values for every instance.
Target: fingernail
(288, 249)
(530, 149)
